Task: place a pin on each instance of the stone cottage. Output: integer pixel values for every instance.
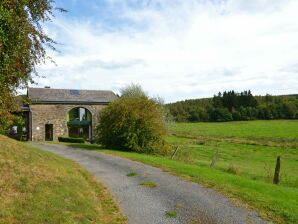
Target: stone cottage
(64, 112)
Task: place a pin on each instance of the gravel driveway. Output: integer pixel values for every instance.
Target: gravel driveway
(190, 202)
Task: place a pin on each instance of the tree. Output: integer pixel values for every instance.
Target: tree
(23, 45)
(133, 122)
(242, 106)
(133, 90)
(289, 110)
(220, 114)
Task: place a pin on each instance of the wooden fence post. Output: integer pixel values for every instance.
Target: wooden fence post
(214, 159)
(172, 157)
(277, 171)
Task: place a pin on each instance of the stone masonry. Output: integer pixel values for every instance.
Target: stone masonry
(56, 114)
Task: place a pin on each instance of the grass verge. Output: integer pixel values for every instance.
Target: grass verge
(277, 203)
(40, 187)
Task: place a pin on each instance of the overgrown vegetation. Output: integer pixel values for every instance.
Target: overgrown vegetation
(39, 187)
(23, 45)
(133, 122)
(232, 106)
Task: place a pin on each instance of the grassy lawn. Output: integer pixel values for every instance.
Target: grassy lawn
(39, 187)
(244, 169)
(275, 129)
(255, 162)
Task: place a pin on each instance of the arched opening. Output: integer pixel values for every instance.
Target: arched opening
(79, 123)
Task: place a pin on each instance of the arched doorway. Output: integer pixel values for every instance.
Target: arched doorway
(79, 123)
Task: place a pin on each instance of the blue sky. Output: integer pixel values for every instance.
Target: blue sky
(176, 49)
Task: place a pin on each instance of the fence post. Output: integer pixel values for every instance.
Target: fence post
(175, 152)
(276, 172)
(214, 159)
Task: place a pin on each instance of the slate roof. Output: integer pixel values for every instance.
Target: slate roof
(69, 96)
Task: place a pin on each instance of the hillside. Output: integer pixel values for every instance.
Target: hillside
(39, 187)
(233, 106)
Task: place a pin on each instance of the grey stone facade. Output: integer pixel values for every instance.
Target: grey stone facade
(50, 107)
(56, 114)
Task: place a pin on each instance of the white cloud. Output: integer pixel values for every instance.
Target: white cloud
(187, 49)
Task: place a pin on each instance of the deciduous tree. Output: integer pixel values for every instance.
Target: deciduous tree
(23, 45)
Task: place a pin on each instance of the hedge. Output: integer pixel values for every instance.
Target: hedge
(71, 140)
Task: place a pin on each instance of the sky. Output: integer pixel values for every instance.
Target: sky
(175, 49)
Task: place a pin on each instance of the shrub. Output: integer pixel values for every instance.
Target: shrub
(233, 169)
(71, 140)
(133, 123)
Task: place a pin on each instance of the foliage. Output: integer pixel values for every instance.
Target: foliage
(235, 106)
(133, 123)
(19, 122)
(220, 114)
(8, 119)
(71, 140)
(23, 45)
(133, 90)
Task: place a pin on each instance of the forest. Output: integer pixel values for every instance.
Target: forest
(233, 106)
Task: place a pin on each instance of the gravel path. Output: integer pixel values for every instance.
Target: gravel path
(192, 202)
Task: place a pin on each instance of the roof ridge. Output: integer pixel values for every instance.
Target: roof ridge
(39, 95)
(106, 90)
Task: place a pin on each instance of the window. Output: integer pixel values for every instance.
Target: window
(74, 92)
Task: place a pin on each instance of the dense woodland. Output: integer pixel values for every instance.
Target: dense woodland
(233, 106)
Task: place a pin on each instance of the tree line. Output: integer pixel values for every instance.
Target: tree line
(233, 106)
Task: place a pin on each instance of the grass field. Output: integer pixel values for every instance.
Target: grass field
(261, 129)
(244, 170)
(39, 187)
(237, 153)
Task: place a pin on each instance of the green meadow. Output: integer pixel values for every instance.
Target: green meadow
(276, 130)
(247, 149)
(246, 155)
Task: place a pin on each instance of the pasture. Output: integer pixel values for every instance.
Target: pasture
(247, 149)
(245, 165)
(270, 129)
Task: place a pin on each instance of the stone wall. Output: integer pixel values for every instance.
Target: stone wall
(56, 114)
